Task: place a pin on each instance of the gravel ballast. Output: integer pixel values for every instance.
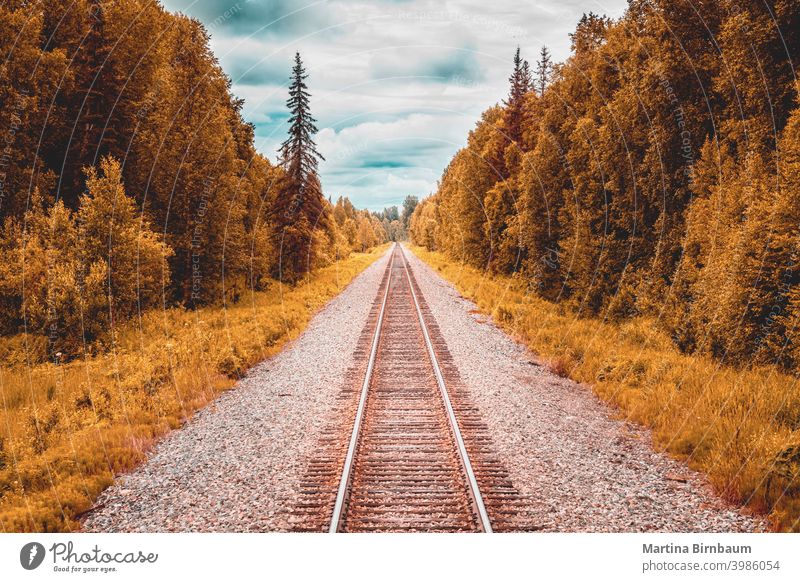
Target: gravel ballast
(583, 469)
(236, 465)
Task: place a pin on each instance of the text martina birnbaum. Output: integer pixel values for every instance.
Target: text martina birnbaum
(695, 549)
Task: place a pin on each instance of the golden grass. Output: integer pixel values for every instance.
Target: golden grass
(66, 430)
(739, 426)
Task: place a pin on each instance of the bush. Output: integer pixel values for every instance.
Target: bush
(71, 276)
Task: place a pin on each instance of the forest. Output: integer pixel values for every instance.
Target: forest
(150, 253)
(654, 173)
(129, 180)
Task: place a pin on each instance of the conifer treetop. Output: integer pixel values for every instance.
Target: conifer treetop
(520, 80)
(544, 69)
(521, 83)
(298, 154)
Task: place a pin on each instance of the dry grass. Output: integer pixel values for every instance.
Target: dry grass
(739, 426)
(66, 430)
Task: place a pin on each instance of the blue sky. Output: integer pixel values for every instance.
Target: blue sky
(396, 84)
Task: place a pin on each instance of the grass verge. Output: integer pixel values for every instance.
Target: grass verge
(66, 430)
(739, 426)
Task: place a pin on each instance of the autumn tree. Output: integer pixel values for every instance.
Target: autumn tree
(781, 337)
(500, 201)
(31, 78)
(423, 224)
(117, 241)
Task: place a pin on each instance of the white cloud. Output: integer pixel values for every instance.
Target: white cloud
(396, 85)
(384, 161)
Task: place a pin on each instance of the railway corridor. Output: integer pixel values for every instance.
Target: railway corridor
(399, 456)
(402, 409)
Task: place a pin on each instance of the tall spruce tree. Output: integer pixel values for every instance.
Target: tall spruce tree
(520, 81)
(544, 67)
(299, 155)
(301, 210)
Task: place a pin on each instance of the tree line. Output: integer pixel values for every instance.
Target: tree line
(656, 173)
(130, 180)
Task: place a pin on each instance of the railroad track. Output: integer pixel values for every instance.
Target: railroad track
(405, 460)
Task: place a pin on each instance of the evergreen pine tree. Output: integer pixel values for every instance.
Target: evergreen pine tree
(520, 81)
(302, 210)
(544, 67)
(299, 155)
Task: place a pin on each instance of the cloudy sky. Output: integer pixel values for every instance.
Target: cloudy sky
(396, 84)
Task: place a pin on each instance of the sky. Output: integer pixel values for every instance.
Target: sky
(395, 85)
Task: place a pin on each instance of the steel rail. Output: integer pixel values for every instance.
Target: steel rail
(347, 469)
(477, 498)
(337, 517)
